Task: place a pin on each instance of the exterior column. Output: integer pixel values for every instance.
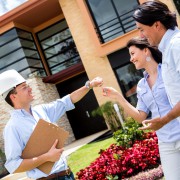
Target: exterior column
(93, 63)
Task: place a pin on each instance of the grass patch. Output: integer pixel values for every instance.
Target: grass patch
(87, 154)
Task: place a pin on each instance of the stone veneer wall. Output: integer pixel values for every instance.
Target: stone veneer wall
(43, 93)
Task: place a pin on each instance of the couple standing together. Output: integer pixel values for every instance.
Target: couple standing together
(156, 51)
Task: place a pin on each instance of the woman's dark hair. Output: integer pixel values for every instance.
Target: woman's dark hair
(142, 43)
(149, 12)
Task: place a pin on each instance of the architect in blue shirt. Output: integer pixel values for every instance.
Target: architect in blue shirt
(152, 98)
(23, 120)
(158, 24)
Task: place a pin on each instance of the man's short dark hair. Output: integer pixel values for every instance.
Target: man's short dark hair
(149, 12)
(8, 99)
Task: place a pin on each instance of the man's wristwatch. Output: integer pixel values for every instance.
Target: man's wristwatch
(87, 84)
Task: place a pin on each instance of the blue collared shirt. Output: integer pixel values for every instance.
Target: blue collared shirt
(20, 127)
(156, 101)
(170, 48)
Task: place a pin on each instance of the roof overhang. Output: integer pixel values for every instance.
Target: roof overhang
(65, 74)
(32, 13)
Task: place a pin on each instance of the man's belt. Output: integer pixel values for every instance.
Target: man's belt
(66, 172)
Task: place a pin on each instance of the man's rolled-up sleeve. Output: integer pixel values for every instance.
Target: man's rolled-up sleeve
(141, 106)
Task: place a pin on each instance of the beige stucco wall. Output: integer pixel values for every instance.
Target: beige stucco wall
(92, 53)
(93, 63)
(172, 7)
(93, 56)
(45, 93)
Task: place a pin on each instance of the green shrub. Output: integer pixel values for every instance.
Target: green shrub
(108, 112)
(127, 136)
(3, 170)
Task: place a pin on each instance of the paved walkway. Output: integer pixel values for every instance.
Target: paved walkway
(67, 150)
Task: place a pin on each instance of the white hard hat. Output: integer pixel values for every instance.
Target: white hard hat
(9, 80)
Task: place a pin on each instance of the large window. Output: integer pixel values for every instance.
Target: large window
(58, 46)
(18, 51)
(112, 18)
(128, 77)
(126, 74)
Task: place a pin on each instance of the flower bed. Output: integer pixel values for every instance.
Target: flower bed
(119, 162)
(152, 174)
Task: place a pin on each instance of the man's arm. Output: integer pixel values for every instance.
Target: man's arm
(157, 123)
(81, 92)
(52, 155)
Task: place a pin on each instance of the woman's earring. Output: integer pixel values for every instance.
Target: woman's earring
(148, 58)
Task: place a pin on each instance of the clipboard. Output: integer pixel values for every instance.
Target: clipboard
(41, 140)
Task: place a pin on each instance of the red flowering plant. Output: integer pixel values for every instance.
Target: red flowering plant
(124, 159)
(118, 162)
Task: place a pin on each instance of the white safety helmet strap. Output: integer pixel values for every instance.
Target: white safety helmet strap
(4, 95)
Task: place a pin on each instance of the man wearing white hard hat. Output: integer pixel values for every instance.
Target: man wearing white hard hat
(9, 80)
(23, 120)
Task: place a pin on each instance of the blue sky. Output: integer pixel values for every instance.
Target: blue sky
(7, 5)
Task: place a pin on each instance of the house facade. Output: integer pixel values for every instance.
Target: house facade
(57, 45)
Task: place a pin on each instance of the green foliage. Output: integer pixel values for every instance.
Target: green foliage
(3, 170)
(2, 155)
(127, 136)
(116, 156)
(110, 177)
(108, 112)
(82, 157)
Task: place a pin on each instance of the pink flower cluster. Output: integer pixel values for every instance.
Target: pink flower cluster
(151, 174)
(123, 162)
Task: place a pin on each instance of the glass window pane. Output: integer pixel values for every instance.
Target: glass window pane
(35, 63)
(66, 48)
(60, 59)
(22, 66)
(6, 37)
(52, 30)
(31, 53)
(24, 34)
(51, 52)
(20, 54)
(17, 65)
(123, 6)
(129, 77)
(115, 30)
(102, 10)
(59, 48)
(8, 48)
(11, 58)
(27, 44)
(112, 17)
(57, 67)
(29, 72)
(59, 37)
